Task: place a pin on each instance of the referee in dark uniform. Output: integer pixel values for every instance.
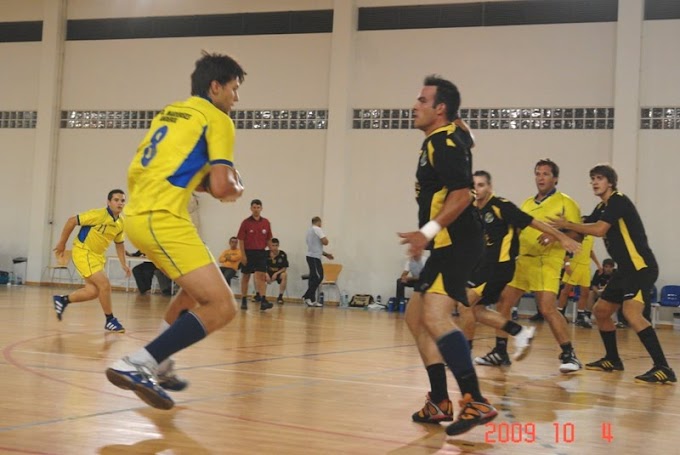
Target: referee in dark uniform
(254, 236)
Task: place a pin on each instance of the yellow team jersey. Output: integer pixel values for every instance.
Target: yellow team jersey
(553, 206)
(98, 229)
(583, 256)
(191, 136)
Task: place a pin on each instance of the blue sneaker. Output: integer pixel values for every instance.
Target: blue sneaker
(59, 305)
(141, 380)
(114, 326)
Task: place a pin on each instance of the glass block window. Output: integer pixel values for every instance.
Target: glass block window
(283, 119)
(660, 118)
(18, 119)
(545, 118)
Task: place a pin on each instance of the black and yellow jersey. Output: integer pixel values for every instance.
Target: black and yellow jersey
(626, 240)
(445, 165)
(502, 222)
(276, 263)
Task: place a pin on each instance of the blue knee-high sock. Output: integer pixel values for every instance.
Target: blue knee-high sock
(455, 350)
(186, 331)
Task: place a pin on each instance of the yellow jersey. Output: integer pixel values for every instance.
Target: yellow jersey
(184, 140)
(98, 228)
(554, 205)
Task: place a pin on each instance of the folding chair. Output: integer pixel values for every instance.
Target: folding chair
(330, 278)
(61, 265)
(670, 297)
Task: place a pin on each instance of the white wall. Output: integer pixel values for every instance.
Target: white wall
(659, 151)
(515, 66)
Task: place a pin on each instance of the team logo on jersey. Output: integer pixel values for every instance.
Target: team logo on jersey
(423, 158)
(489, 218)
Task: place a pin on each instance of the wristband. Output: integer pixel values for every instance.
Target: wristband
(567, 264)
(430, 229)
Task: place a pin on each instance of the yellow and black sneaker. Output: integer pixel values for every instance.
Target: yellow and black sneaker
(434, 412)
(657, 375)
(473, 413)
(604, 364)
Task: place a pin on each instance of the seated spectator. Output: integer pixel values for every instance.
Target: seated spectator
(230, 260)
(409, 277)
(277, 263)
(144, 274)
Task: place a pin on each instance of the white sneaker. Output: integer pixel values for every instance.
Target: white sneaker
(570, 363)
(309, 303)
(523, 342)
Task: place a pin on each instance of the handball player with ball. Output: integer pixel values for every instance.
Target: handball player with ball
(189, 147)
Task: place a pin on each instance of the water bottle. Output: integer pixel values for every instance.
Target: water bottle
(515, 313)
(378, 300)
(402, 305)
(12, 280)
(321, 298)
(345, 300)
(391, 303)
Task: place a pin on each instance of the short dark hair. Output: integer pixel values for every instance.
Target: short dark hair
(316, 219)
(484, 174)
(554, 168)
(112, 192)
(275, 240)
(609, 261)
(447, 93)
(233, 238)
(214, 67)
(255, 202)
(606, 171)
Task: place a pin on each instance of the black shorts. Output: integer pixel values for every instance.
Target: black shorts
(453, 265)
(637, 285)
(490, 280)
(278, 278)
(257, 261)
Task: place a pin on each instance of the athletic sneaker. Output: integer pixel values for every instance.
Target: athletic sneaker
(141, 379)
(244, 303)
(473, 413)
(569, 362)
(167, 377)
(279, 300)
(523, 342)
(604, 364)
(583, 322)
(264, 305)
(114, 326)
(495, 358)
(309, 303)
(657, 375)
(59, 305)
(433, 412)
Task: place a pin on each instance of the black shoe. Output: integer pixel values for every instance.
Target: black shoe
(472, 414)
(494, 358)
(604, 364)
(584, 323)
(657, 375)
(244, 303)
(264, 305)
(570, 363)
(279, 300)
(537, 317)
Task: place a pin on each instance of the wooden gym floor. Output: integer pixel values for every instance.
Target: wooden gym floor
(299, 380)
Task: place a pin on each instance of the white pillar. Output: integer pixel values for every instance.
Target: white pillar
(624, 156)
(46, 138)
(345, 19)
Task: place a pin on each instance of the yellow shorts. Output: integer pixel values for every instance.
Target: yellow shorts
(537, 273)
(86, 262)
(170, 242)
(580, 275)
